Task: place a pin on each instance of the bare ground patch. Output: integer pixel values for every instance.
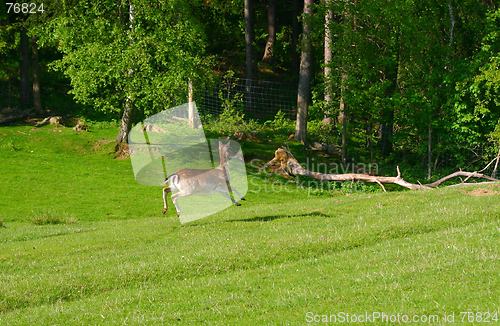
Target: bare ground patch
(483, 192)
(100, 144)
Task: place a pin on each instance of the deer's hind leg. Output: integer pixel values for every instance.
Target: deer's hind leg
(174, 200)
(165, 191)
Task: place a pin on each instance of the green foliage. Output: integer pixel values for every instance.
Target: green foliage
(410, 72)
(232, 121)
(321, 132)
(335, 189)
(232, 118)
(495, 135)
(478, 98)
(93, 124)
(148, 60)
(356, 187)
(280, 124)
(232, 101)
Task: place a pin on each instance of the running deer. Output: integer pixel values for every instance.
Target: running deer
(187, 182)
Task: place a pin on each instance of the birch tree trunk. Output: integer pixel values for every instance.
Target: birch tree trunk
(343, 116)
(304, 75)
(327, 71)
(271, 31)
(191, 118)
(126, 120)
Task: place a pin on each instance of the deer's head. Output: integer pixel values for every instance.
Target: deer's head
(224, 150)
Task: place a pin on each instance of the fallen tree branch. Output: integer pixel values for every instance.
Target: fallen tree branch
(285, 164)
(468, 175)
(488, 165)
(494, 173)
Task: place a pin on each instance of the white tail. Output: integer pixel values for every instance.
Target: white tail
(187, 182)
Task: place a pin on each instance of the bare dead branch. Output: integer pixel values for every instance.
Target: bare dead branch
(381, 185)
(285, 163)
(461, 174)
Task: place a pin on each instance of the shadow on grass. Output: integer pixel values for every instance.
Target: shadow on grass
(275, 217)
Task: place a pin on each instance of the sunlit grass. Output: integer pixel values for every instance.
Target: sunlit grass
(272, 260)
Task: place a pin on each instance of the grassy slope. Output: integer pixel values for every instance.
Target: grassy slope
(271, 260)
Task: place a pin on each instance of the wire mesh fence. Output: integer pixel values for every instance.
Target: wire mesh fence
(258, 99)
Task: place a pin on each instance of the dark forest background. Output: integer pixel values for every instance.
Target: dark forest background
(413, 81)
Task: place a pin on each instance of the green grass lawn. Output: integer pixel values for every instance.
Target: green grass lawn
(83, 243)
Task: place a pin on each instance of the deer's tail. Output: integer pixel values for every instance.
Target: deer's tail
(171, 180)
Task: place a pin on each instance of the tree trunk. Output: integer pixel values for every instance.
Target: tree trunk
(304, 75)
(343, 116)
(125, 124)
(249, 56)
(24, 70)
(387, 131)
(388, 112)
(126, 121)
(369, 141)
(349, 22)
(249, 38)
(429, 151)
(295, 35)
(37, 104)
(327, 72)
(191, 116)
(452, 22)
(271, 31)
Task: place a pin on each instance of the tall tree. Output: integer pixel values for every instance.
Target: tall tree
(327, 70)
(249, 55)
(37, 103)
(392, 73)
(343, 114)
(126, 120)
(271, 31)
(347, 31)
(295, 34)
(304, 87)
(24, 68)
(130, 78)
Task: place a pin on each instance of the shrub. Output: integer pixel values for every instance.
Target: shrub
(321, 132)
(280, 124)
(355, 187)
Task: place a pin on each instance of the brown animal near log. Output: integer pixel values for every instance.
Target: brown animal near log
(286, 164)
